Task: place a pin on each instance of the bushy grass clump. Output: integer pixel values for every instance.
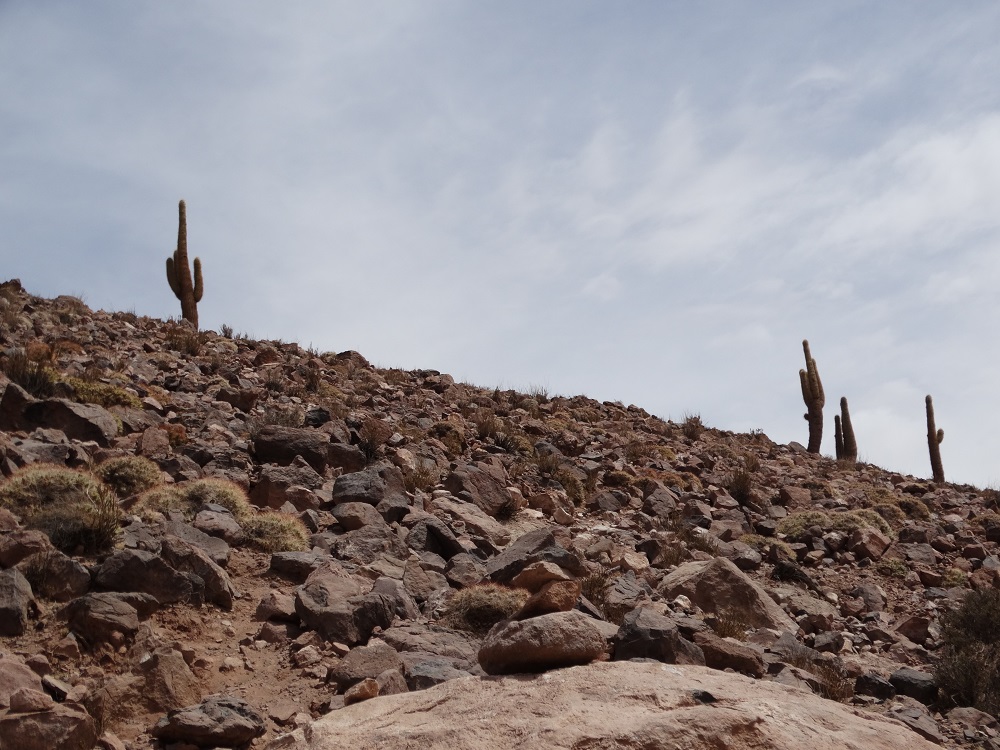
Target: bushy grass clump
(478, 608)
(187, 498)
(75, 510)
(796, 525)
(102, 394)
(129, 475)
(276, 532)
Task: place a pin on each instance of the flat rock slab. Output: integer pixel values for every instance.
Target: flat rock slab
(606, 705)
(218, 721)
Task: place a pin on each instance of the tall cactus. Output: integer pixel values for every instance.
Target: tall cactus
(812, 394)
(934, 439)
(179, 274)
(847, 446)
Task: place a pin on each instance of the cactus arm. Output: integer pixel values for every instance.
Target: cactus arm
(198, 286)
(838, 437)
(172, 278)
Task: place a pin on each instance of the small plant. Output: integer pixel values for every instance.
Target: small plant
(692, 426)
(618, 479)
(275, 532)
(740, 485)
(796, 525)
(507, 511)
(292, 416)
(226, 331)
(372, 437)
(730, 624)
(179, 273)
(181, 339)
(892, 567)
(422, 479)
(102, 394)
(488, 424)
(129, 475)
(36, 378)
(843, 435)
(955, 578)
(968, 666)
(481, 606)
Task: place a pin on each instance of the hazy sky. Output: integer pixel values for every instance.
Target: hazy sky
(652, 202)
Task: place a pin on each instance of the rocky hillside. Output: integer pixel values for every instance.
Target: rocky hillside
(211, 541)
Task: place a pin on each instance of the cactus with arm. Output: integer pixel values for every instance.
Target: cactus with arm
(812, 394)
(934, 440)
(179, 274)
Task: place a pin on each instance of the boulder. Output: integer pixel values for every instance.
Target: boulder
(646, 634)
(95, 617)
(535, 546)
(370, 485)
(185, 557)
(431, 534)
(718, 586)
(218, 721)
(723, 653)
(21, 543)
(57, 576)
(15, 675)
(136, 570)
(364, 662)
(868, 542)
(918, 685)
(479, 485)
(606, 705)
(366, 545)
(65, 726)
(16, 602)
(275, 444)
(353, 516)
(554, 596)
(476, 520)
(551, 641)
(81, 422)
(278, 485)
(341, 607)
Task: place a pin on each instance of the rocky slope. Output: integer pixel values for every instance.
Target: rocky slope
(394, 516)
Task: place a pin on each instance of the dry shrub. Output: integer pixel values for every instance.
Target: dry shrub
(740, 485)
(180, 338)
(796, 525)
(187, 498)
(488, 424)
(692, 426)
(129, 475)
(478, 608)
(451, 436)
(72, 507)
(276, 532)
(834, 684)
(280, 416)
(35, 377)
(422, 479)
(372, 437)
(968, 665)
(618, 479)
(729, 624)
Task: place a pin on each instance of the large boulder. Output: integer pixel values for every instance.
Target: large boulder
(218, 721)
(536, 546)
(16, 602)
(15, 675)
(342, 607)
(278, 485)
(275, 444)
(717, 585)
(77, 421)
(95, 617)
(136, 570)
(363, 662)
(606, 705)
(478, 484)
(188, 558)
(645, 634)
(62, 725)
(551, 641)
(371, 485)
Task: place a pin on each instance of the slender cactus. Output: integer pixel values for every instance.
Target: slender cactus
(179, 274)
(934, 439)
(812, 394)
(847, 446)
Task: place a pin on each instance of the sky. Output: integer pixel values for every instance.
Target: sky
(650, 202)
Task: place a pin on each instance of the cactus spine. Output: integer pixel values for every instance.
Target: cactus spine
(847, 446)
(812, 394)
(179, 274)
(934, 439)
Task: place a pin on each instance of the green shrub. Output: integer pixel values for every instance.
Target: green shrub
(129, 475)
(478, 608)
(73, 508)
(968, 666)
